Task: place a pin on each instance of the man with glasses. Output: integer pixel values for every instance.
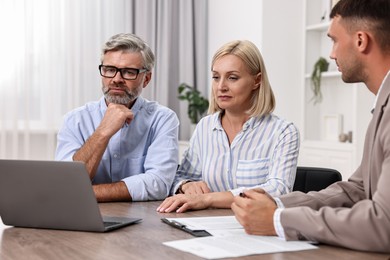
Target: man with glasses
(129, 144)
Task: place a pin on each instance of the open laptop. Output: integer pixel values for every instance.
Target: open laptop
(53, 195)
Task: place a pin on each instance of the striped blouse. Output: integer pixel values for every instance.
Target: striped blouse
(263, 154)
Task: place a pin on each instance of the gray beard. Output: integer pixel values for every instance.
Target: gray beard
(122, 100)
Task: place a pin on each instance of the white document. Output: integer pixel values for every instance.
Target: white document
(215, 247)
(230, 240)
(208, 223)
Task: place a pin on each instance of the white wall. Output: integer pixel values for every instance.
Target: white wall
(276, 27)
(283, 54)
(233, 20)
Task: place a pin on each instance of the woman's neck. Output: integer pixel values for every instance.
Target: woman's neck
(233, 123)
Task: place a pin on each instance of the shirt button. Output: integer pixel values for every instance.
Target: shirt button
(115, 155)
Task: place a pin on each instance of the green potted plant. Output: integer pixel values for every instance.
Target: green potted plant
(197, 104)
(320, 66)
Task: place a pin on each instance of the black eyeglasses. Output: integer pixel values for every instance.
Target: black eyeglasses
(126, 73)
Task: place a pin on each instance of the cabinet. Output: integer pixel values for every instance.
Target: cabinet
(344, 107)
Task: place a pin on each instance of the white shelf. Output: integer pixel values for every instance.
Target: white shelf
(328, 74)
(328, 145)
(320, 27)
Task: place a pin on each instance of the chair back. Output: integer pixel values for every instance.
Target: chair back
(315, 178)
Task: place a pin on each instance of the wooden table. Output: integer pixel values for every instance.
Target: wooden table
(139, 241)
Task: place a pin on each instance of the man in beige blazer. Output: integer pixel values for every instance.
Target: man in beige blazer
(354, 213)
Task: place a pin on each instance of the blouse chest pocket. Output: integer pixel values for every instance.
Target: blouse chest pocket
(252, 172)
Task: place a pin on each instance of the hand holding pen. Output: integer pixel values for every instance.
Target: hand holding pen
(258, 190)
(254, 209)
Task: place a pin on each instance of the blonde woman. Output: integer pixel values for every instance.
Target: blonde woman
(240, 144)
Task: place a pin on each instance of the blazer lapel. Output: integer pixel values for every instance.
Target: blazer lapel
(381, 104)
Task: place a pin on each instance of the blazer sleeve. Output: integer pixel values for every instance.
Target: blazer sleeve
(339, 194)
(364, 225)
(353, 214)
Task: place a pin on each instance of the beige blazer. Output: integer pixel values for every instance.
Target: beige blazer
(354, 213)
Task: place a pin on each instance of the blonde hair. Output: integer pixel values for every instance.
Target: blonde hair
(263, 99)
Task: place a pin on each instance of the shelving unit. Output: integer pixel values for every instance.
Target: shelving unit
(344, 107)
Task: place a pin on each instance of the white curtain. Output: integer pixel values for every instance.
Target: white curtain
(51, 50)
(177, 32)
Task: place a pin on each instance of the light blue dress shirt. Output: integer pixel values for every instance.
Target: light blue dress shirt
(264, 154)
(143, 154)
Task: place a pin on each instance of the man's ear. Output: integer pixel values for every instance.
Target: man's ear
(362, 41)
(148, 78)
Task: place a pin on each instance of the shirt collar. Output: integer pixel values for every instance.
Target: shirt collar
(217, 121)
(380, 88)
(250, 123)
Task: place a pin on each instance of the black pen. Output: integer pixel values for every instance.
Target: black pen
(178, 224)
(242, 194)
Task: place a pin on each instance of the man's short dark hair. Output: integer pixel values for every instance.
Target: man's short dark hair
(374, 14)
